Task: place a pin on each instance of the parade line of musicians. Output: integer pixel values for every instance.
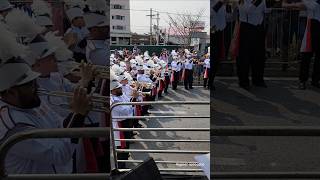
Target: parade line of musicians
(137, 76)
(35, 61)
(247, 46)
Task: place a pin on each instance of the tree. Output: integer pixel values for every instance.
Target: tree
(184, 25)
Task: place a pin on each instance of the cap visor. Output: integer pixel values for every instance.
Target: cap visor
(31, 75)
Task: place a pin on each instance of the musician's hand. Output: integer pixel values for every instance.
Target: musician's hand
(87, 73)
(135, 93)
(70, 39)
(81, 101)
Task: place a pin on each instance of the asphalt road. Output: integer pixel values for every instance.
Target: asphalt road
(281, 104)
(196, 94)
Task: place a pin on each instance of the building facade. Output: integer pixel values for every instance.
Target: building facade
(120, 22)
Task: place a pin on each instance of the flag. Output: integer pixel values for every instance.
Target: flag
(172, 77)
(206, 76)
(183, 74)
(306, 45)
(235, 42)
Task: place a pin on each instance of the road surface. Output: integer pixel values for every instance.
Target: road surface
(281, 104)
(196, 94)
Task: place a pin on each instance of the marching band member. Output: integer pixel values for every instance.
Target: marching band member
(206, 74)
(252, 43)
(5, 7)
(219, 24)
(188, 74)
(97, 23)
(310, 44)
(118, 96)
(77, 29)
(42, 13)
(176, 68)
(22, 110)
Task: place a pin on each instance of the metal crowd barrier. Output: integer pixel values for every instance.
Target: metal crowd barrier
(115, 150)
(264, 131)
(50, 133)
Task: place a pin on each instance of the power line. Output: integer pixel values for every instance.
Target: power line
(165, 12)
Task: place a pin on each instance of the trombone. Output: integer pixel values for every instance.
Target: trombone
(99, 102)
(102, 72)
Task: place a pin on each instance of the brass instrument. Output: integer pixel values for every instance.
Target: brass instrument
(102, 72)
(144, 93)
(99, 102)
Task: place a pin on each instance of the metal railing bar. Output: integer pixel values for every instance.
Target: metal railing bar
(160, 117)
(161, 129)
(265, 175)
(114, 151)
(160, 162)
(161, 103)
(160, 140)
(57, 177)
(162, 151)
(170, 169)
(47, 133)
(264, 131)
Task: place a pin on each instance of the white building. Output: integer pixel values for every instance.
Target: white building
(120, 22)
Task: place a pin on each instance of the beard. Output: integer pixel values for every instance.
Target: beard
(119, 93)
(29, 102)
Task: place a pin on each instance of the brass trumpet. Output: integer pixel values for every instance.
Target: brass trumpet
(99, 102)
(102, 72)
(144, 93)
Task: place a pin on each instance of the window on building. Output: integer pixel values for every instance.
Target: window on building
(117, 6)
(119, 27)
(112, 17)
(119, 17)
(113, 39)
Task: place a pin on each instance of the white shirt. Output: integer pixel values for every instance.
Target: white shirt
(206, 63)
(143, 78)
(81, 34)
(126, 110)
(56, 82)
(175, 66)
(219, 17)
(313, 9)
(97, 52)
(38, 155)
(188, 64)
(251, 14)
(127, 90)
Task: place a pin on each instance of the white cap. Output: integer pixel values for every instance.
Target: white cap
(128, 76)
(140, 67)
(74, 12)
(121, 77)
(75, 3)
(39, 50)
(14, 74)
(133, 61)
(114, 84)
(9, 47)
(150, 63)
(41, 7)
(43, 21)
(123, 64)
(23, 25)
(95, 20)
(5, 5)
(62, 53)
(97, 5)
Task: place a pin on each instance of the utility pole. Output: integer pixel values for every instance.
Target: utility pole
(151, 17)
(169, 32)
(158, 31)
